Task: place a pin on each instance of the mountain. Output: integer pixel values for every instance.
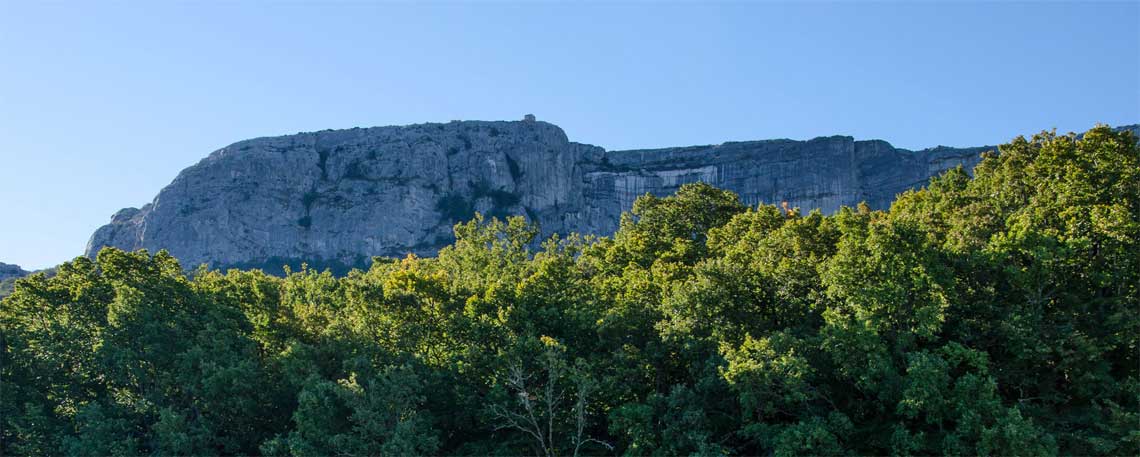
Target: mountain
(335, 198)
(9, 271)
(8, 275)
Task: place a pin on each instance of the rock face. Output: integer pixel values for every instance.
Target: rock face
(9, 271)
(337, 197)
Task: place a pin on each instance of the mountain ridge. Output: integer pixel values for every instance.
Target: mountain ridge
(12, 271)
(338, 197)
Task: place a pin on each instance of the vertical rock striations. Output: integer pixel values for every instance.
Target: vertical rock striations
(337, 197)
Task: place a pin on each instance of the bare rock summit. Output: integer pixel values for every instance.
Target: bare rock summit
(335, 198)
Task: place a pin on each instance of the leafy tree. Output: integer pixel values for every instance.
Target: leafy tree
(380, 417)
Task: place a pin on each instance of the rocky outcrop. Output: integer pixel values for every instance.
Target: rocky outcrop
(337, 197)
(9, 271)
(824, 173)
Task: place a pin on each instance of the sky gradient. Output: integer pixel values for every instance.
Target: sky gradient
(102, 105)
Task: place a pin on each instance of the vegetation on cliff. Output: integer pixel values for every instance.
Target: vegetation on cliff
(993, 315)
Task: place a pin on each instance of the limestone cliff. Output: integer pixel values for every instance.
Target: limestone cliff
(9, 271)
(337, 197)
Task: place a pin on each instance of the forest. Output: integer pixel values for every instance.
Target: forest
(992, 313)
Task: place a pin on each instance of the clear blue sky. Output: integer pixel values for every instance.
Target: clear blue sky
(102, 105)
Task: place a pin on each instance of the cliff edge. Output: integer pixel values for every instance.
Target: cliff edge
(337, 197)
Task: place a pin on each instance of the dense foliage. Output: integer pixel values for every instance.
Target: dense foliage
(993, 315)
(7, 286)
